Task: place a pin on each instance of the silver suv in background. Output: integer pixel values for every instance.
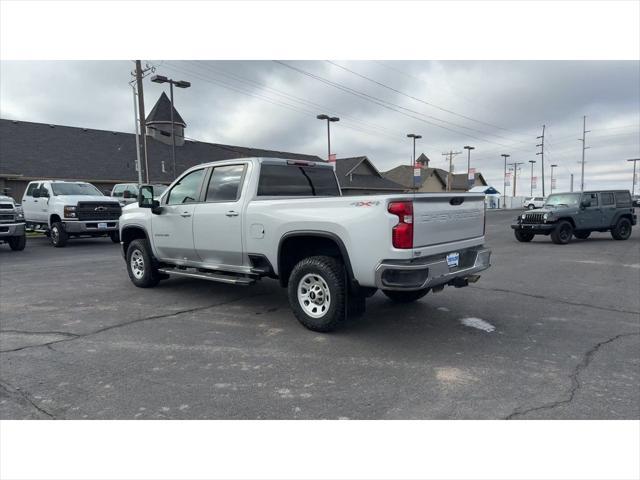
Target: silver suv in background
(127, 193)
(12, 224)
(533, 202)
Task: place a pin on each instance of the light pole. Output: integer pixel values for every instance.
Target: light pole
(414, 137)
(504, 189)
(468, 149)
(532, 162)
(329, 120)
(552, 167)
(179, 84)
(633, 185)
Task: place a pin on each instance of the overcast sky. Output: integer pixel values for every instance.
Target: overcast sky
(497, 107)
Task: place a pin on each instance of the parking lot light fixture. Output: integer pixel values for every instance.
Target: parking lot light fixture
(413, 165)
(468, 148)
(329, 119)
(552, 167)
(179, 84)
(635, 180)
(532, 162)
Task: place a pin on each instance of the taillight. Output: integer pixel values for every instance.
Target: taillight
(402, 233)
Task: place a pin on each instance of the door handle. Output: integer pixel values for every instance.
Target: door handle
(232, 213)
(185, 214)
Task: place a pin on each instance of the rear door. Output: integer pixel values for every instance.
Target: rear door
(173, 226)
(590, 217)
(608, 208)
(444, 218)
(217, 222)
(29, 202)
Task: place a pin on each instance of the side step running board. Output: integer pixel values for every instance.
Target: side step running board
(214, 277)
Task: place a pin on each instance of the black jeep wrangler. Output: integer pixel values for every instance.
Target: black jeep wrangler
(578, 214)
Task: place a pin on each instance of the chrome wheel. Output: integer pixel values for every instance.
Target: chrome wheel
(313, 295)
(137, 264)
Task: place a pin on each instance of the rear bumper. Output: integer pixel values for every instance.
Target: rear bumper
(90, 228)
(431, 272)
(543, 228)
(12, 229)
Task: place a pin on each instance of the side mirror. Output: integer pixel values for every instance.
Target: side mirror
(585, 203)
(36, 193)
(146, 200)
(44, 193)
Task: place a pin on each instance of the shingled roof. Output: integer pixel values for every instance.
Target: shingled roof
(37, 150)
(345, 168)
(403, 174)
(161, 112)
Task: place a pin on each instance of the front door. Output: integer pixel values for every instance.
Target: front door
(590, 217)
(30, 203)
(173, 226)
(217, 224)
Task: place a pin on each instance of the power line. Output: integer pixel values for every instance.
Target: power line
(429, 104)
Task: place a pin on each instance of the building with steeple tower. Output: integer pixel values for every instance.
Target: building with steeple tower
(158, 122)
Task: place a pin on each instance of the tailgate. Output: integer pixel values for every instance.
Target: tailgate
(445, 218)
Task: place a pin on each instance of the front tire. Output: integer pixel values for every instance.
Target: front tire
(58, 235)
(622, 230)
(18, 243)
(522, 236)
(140, 265)
(561, 235)
(317, 293)
(402, 296)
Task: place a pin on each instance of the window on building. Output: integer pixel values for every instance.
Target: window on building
(224, 185)
(187, 190)
(607, 198)
(297, 181)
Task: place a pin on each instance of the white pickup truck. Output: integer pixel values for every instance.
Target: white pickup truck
(70, 209)
(236, 221)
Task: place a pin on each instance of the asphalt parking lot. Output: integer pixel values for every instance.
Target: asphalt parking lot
(548, 332)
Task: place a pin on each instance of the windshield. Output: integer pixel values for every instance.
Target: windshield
(565, 199)
(67, 188)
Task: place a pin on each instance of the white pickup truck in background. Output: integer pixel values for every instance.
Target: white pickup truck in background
(70, 209)
(236, 221)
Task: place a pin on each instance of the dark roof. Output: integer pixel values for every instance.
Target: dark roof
(375, 181)
(38, 150)
(161, 112)
(423, 159)
(403, 174)
(460, 181)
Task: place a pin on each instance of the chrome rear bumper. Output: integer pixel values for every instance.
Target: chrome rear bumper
(431, 272)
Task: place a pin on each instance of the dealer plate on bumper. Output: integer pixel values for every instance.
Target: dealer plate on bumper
(102, 225)
(453, 259)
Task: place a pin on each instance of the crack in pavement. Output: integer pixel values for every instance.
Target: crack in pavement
(18, 395)
(574, 377)
(557, 300)
(50, 332)
(74, 336)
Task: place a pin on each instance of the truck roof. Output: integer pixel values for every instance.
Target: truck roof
(269, 160)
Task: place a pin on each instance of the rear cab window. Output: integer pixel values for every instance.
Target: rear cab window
(607, 198)
(225, 183)
(297, 181)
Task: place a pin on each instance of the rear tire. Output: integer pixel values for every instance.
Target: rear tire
(115, 237)
(523, 236)
(561, 235)
(317, 293)
(140, 265)
(581, 235)
(18, 243)
(58, 235)
(622, 230)
(402, 296)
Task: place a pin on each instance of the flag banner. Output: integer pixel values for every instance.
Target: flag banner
(472, 174)
(534, 182)
(332, 157)
(507, 179)
(553, 183)
(416, 175)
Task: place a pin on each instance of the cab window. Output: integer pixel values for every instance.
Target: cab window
(224, 185)
(31, 188)
(187, 190)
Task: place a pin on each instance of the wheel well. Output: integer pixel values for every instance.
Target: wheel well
(130, 234)
(53, 219)
(623, 215)
(568, 219)
(294, 248)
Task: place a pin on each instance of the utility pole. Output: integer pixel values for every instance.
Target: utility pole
(584, 134)
(552, 167)
(571, 182)
(541, 153)
(504, 188)
(532, 162)
(141, 115)
(450, 154)
(135, 123)
(633, 186)
(516, 166)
